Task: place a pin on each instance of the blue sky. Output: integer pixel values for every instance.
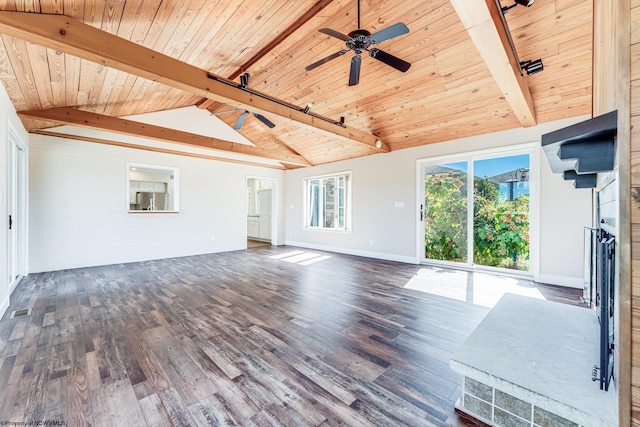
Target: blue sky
(494, 166)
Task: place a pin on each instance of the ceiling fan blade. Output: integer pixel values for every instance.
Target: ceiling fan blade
(390, 60)
(240, 121)
(334, 33)
(264, 120)
(325, 60)
(390, 32)
(354, 73)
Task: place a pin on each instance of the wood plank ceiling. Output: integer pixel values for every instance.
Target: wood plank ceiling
(452, 89)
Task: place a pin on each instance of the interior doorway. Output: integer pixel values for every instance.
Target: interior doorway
(16, 210)
(261, 218)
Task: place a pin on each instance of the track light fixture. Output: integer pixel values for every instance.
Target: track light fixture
(308, 108)
(532, 67)
(244, 79)
(525, 3)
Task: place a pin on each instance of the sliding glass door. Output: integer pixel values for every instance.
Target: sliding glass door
(445, 212)
(476, 211)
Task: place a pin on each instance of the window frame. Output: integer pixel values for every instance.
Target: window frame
(532, 150)
(342, 202)
(174, 191)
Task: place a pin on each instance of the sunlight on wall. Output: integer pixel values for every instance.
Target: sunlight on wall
(476, 288)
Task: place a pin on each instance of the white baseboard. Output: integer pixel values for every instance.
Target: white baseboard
(356, 252)
(15, 284)
(570, 282)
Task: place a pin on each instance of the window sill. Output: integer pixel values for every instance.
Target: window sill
(328, 230)
(153, 212)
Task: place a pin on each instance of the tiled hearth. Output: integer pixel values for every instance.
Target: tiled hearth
(529, 363)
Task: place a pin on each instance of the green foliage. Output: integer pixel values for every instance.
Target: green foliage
(501, 228)
(446, 217)
(501, 232)
(486, 189)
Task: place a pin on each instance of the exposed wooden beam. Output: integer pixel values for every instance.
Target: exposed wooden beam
(315, 9)
(150, 148)
(484, 22)
(71, 36)
(86, 119)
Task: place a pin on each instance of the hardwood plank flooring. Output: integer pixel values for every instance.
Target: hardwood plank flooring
(269, 336)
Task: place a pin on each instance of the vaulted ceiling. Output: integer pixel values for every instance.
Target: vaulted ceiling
(464, 79)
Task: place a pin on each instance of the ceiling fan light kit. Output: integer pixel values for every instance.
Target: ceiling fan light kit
(360, 41)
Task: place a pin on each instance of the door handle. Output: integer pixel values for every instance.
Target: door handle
(421, 213)
(10, 222)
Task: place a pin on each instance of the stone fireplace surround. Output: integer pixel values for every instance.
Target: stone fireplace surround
(529, 363)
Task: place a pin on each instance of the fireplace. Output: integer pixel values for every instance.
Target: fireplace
(528, 362)
(599, 293)
(586, 153)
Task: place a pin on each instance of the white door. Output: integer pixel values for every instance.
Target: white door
(264, 201)
(262, 211)
(16, 212)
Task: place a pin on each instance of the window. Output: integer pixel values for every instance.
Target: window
(152, 188)
(328, 202)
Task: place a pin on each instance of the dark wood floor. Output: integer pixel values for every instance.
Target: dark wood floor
(259, 337)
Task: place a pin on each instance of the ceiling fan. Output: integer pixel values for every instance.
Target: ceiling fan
(360, 40)
(242, 117)
(244, 83)
(260, 117)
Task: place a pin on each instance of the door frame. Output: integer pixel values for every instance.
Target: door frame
(274, 205)
(16, 197)
(533, 150)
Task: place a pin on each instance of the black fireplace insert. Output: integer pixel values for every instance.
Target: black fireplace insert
(605, 269)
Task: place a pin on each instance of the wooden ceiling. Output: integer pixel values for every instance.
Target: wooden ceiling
(460, 82)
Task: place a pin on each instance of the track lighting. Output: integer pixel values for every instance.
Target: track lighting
(272, 99)
(525, 3)
(530, 67)
(308, 108)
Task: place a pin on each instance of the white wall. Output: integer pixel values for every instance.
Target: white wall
(384, 231)
(78, 206)
(566, 211)
(8, 119)
(78, 210)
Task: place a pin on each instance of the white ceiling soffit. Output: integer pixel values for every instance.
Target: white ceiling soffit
(193, 120)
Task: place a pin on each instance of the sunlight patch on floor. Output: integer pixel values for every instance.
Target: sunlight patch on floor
(477, 288)
(301, 257)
